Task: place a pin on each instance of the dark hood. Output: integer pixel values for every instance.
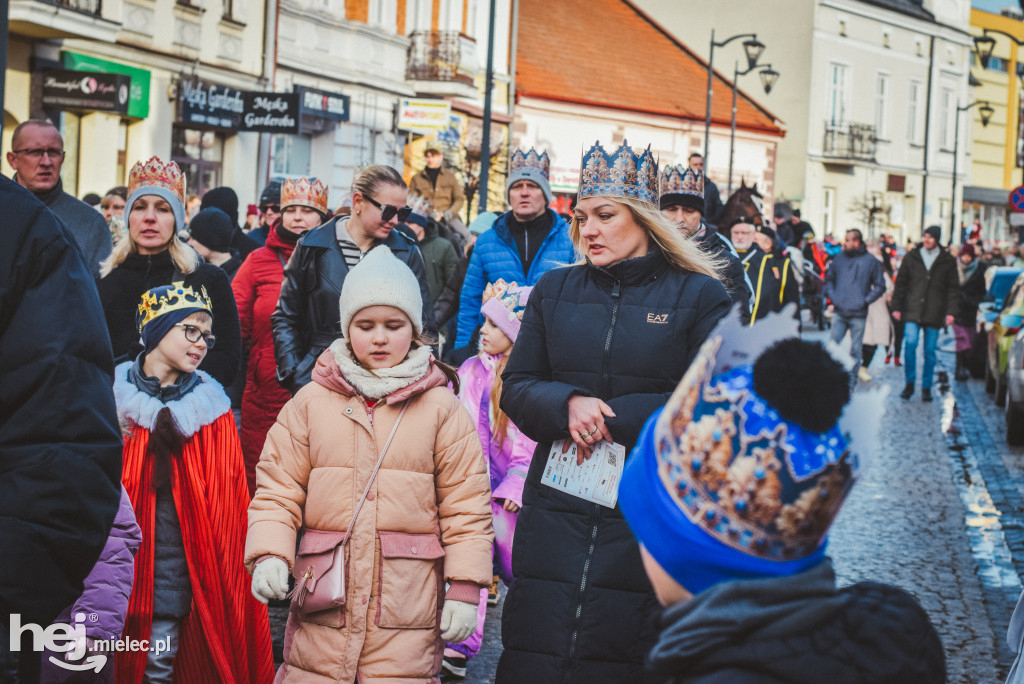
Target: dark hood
(223, 198)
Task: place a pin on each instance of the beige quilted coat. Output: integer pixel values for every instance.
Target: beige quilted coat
(427, 520)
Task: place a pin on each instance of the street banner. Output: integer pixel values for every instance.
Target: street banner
(424, 116)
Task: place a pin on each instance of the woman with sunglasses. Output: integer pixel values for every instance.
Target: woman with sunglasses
(306, 320)
(150, 255)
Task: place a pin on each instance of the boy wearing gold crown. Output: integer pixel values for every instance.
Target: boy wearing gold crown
(183, 472)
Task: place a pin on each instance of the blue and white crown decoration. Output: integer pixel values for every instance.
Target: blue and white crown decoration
(530, 160)
(682, 180)
(620, 174)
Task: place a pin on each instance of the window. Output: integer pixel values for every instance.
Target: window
(946, 118)
(882, 86)
(838, 102)
(828, 210)
(417, 15)
(290, 155)
(914, 93)
(199, 155)
(450, 18)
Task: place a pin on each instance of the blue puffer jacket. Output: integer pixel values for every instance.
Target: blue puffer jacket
(496, 256)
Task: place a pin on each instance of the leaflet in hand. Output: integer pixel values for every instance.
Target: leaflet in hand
(596, 479)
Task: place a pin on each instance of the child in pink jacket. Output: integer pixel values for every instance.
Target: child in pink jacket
(507, 450)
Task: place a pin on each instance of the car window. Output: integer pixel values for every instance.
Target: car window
(1001, 285)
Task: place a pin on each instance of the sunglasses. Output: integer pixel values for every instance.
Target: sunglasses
(275, 208)
(388, 212)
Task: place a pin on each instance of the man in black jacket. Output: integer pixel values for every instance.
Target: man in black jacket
(60, 445)
(925, 299)
(682, 201)
(853, 280)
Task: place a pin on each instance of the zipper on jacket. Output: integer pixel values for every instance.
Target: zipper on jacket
(616, 291)
(583, 588)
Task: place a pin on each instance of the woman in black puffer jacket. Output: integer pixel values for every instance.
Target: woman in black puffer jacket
(602, 346)
(150, 254)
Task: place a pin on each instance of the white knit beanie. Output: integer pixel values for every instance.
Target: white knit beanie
(381, 279)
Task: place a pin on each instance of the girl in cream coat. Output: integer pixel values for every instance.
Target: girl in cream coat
(426, 521)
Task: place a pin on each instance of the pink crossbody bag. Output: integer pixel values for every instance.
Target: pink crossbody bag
(319, 572)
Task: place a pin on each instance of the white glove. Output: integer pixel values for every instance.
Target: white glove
(458, 620)
(270, 579)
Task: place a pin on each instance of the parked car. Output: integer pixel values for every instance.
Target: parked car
(1015, 391)
(998, 281)
(1001, 333)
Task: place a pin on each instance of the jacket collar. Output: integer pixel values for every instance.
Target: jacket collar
(140, 262)
(633, 271)
(503, 231)
(50, 195)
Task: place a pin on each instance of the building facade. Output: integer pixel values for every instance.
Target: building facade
(869, 93)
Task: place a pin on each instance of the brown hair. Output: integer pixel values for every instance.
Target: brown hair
(374, 177)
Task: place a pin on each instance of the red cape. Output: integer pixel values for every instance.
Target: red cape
(226, 637)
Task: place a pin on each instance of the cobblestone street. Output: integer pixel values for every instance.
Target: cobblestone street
(938, 512)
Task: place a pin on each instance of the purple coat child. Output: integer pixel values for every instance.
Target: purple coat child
(104, 601)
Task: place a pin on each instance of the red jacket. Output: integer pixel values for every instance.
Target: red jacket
(257, 286)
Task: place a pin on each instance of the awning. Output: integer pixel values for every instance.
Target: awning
(980, 195)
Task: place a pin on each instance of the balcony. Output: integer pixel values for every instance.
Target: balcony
(62, 19)
(849, 142)
(442, 63)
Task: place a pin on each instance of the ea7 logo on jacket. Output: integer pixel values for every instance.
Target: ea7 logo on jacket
(657, 318)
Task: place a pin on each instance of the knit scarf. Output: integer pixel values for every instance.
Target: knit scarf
(967, 271)
(379, 383)
(929, 256)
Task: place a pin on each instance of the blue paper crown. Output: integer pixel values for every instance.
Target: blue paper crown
(682, 180)
(742, 473)
(530, 160)
(621, 174)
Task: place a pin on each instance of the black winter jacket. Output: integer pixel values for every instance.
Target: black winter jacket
(582, 609)
(971, 292)
(121, 290)
(734, 277)
(60, 445)
(799, 629)
(307, 318)
(927, 297)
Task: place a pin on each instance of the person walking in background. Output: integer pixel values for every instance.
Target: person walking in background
(270, 212)
(377, 461)
(507, 450)
(878, 328)
(152, 254)
(853, 281)
(60, 445)
(971, 280)
(305, 321)
(439, 186)
(733, 527)
(226, 199)
(210, 235)
(926, 297)
(37, 155)
(257, 288)
(758, 266)
(602, 343)
(112, 206)
(183, 472)
(524, 244)
(439, 256)
(713, 206)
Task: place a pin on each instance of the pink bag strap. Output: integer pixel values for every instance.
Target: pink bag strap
(373, 475)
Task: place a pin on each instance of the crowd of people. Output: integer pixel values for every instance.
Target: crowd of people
(382, 415)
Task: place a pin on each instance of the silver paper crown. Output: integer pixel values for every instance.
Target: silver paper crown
(530, 160)
(621, 174)
(681, 180)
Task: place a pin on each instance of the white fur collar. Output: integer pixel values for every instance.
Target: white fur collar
(385, 381)
(203, 405)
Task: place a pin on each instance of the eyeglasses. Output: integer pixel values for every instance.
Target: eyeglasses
(37, 153)
(192, 334)
(388, 212)
(275, 208)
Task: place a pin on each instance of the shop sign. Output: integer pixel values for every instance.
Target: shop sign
(424, 115)
(209, 104)
(564, 180)
(318, 103)
(85, 90)
(270, 112)
(138, 91)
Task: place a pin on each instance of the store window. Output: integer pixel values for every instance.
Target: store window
(290, 155)
(200, 155)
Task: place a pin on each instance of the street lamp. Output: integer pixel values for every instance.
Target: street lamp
(753, 49)
(768, 78)
(986, 111)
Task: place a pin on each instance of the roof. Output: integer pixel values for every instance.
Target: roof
(607, 53)
(912, 8)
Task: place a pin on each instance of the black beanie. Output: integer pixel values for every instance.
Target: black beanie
(934, 231)
(682, 199)
(212, 229)
(225, 199)
(271, 194)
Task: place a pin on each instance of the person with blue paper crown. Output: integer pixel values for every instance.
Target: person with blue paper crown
(730, 491)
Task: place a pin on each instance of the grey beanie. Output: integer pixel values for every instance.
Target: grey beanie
(534, 176)
(380, 279)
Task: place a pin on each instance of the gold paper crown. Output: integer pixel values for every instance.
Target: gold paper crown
(174, 297)
(530, 160)
(682, 180)
(304, 192)
(157, 173)
(623, 173)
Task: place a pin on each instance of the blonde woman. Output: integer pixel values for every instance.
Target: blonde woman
(603, 344)
(150, 255)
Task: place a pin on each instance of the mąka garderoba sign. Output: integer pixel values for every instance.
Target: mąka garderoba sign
(209, 104)
(270, 112)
